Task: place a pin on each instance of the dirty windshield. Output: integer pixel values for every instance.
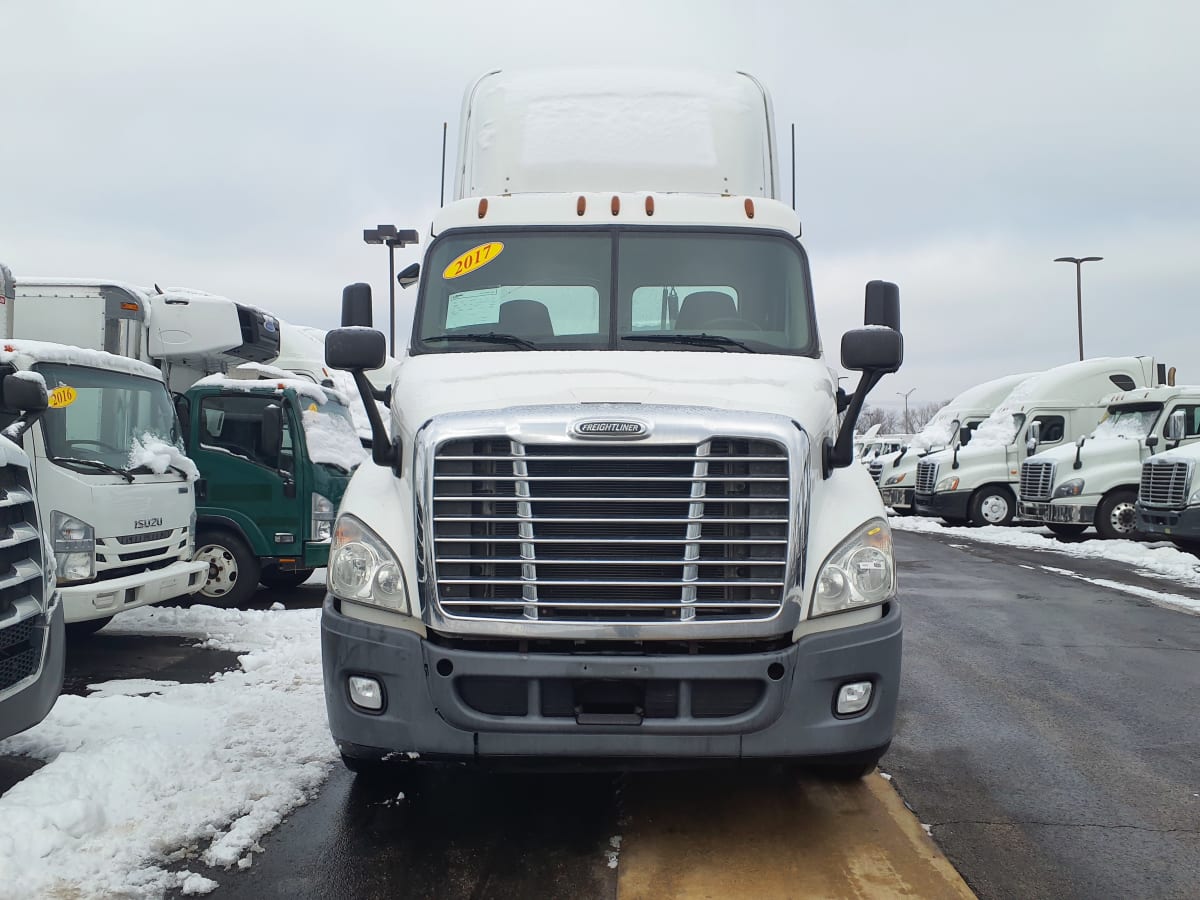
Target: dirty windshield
(1128, 421)
(555, 290)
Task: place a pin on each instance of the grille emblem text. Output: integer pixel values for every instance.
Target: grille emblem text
(611, 429)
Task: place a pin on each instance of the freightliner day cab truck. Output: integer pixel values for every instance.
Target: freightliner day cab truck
(617, 519)
(1168, 504)
(896, 472)
(31, 611)
(1095, 480)
(978, 484)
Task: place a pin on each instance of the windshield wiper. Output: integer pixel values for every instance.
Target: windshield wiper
(485, 337)
(145, 468)
(696, 340)
(93, 463)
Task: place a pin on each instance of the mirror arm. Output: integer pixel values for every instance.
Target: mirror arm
(384, 396)
(383, 451)
(954, 464)
(839, 455)
(23, 423)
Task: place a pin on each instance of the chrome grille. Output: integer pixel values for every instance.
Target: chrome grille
(1164, 483)
(634, 533)
(21, 546)
(927, 472)
(1037, 478)
(876, 470)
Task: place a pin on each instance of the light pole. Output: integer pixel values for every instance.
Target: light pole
(904, 394)
(1079, 261)
(387, 234)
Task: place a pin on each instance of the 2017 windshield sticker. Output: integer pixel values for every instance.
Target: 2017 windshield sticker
(63, 395)
(475, 258)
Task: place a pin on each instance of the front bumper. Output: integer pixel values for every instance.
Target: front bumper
(96, 599)
(433, 697)
(897, 497)
(1176, 524)
(1056, 513)
(949, 504)
(26, 703)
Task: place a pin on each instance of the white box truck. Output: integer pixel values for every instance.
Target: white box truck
(978, 484)
(1095, 480)
(617, 518)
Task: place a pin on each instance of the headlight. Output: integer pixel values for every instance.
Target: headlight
(322, 518)
(947, 484)
(74, 548)
(1072, 488)
(896, 479)
(861, 572)
(363, 569)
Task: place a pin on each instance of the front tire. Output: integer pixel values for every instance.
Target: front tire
(233, 571)
(993, 505)
(1116, 516)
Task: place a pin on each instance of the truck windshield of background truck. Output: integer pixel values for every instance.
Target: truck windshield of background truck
(539, 289)
(1128, 421)
(330, 434)
(103, 415)
(998, 430)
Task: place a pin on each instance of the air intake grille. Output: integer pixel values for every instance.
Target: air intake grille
(21, 546)
(876, 470)
(1037, 478)
(637, 533)
(926, 476)
(1164, 484)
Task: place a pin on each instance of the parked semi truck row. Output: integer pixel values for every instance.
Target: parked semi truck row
(1168, 504)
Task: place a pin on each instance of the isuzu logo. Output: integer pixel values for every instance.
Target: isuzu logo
(148, 523)
(611, 429)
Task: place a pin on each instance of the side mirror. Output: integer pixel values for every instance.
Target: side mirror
(355, 349)
(1035, 437)
(882, 305)
(23, 393)
(1151, 441)
(272, 430)
(874, 349)
(409, 275)
(964, 435)
(356, 304)
(1175, 431)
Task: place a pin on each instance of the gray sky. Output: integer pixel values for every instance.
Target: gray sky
(241, 147)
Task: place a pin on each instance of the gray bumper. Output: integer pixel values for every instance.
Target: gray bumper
(26, 706)
(1056, 513)
(897, 497)
(1176, 524)
(788, 713)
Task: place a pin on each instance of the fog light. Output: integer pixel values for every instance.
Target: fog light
(853, 698)
(367, 693)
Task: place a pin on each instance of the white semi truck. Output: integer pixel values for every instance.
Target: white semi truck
(978, 484)
(896, 473)
(1095, 480)
(1168, 504)
(617, 518)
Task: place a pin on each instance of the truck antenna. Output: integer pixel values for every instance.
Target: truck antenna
(442, 197)
(793, 166)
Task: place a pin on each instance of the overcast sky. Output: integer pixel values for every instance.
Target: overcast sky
(241, 147)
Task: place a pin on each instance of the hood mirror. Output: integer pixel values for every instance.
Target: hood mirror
(1176, 426)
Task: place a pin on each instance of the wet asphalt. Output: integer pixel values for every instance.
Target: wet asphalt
(1049, 734)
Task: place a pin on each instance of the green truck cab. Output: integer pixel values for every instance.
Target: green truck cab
(275, 456)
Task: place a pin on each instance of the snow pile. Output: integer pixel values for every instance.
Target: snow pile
(24, 353)
(997, 430)
(332, 439)
(158, 456)
(1126, 424)
(134, 782)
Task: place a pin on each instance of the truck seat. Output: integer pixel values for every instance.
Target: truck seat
(525, 318)
(703, 307)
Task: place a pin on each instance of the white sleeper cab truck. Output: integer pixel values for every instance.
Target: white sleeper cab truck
(31, 612)
(978, 484)
(1168, 504)
(1095, 480)
(617, 519)
(896, 473)
(115, 490)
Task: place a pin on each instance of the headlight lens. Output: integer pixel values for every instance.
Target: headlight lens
(861, 572)
(322, 518)
(74, 548)
(1072, 488)
(363, 569)
(896, 479)
(949, 483)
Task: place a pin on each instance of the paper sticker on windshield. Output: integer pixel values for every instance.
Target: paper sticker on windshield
(475, 258)
(61, 396)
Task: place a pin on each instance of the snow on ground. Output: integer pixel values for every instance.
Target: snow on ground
(1158, 560)
(142, 774)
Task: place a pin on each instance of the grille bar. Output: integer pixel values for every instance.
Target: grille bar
(585, 604)
(1037, 479)
(927, 472)
(1164, 484)
(615, 562)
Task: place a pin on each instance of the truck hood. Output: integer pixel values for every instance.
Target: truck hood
(973, 457)
(1098, 452)
(434, 384)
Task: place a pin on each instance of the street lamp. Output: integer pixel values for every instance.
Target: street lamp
(387, 234)
(904, 394)
(1079, 261)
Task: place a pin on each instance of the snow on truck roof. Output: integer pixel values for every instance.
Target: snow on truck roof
(250, 377)
(1155, 395)
(25, 354)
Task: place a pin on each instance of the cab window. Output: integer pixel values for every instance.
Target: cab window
(234, 424)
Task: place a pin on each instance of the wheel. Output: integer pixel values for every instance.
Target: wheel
(233, 571)
(1063, 530)
(993, 505)
(85, 629)
(280, 580)
(1116, 516)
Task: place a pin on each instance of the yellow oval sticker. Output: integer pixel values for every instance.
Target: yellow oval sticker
(61, 396)
(475, 258)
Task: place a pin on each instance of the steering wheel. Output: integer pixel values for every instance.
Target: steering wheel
(733, 322)
(100, 444)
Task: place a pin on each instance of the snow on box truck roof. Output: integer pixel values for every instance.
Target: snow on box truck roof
(624, 130)
(29, 353)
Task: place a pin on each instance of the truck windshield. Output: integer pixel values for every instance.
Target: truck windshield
(998, 430)
(539, 289)
(330, 435)
(1128, 421)
(105, 414)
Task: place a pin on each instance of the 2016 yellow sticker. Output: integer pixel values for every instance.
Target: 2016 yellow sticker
(475, 258)
(63, 395)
